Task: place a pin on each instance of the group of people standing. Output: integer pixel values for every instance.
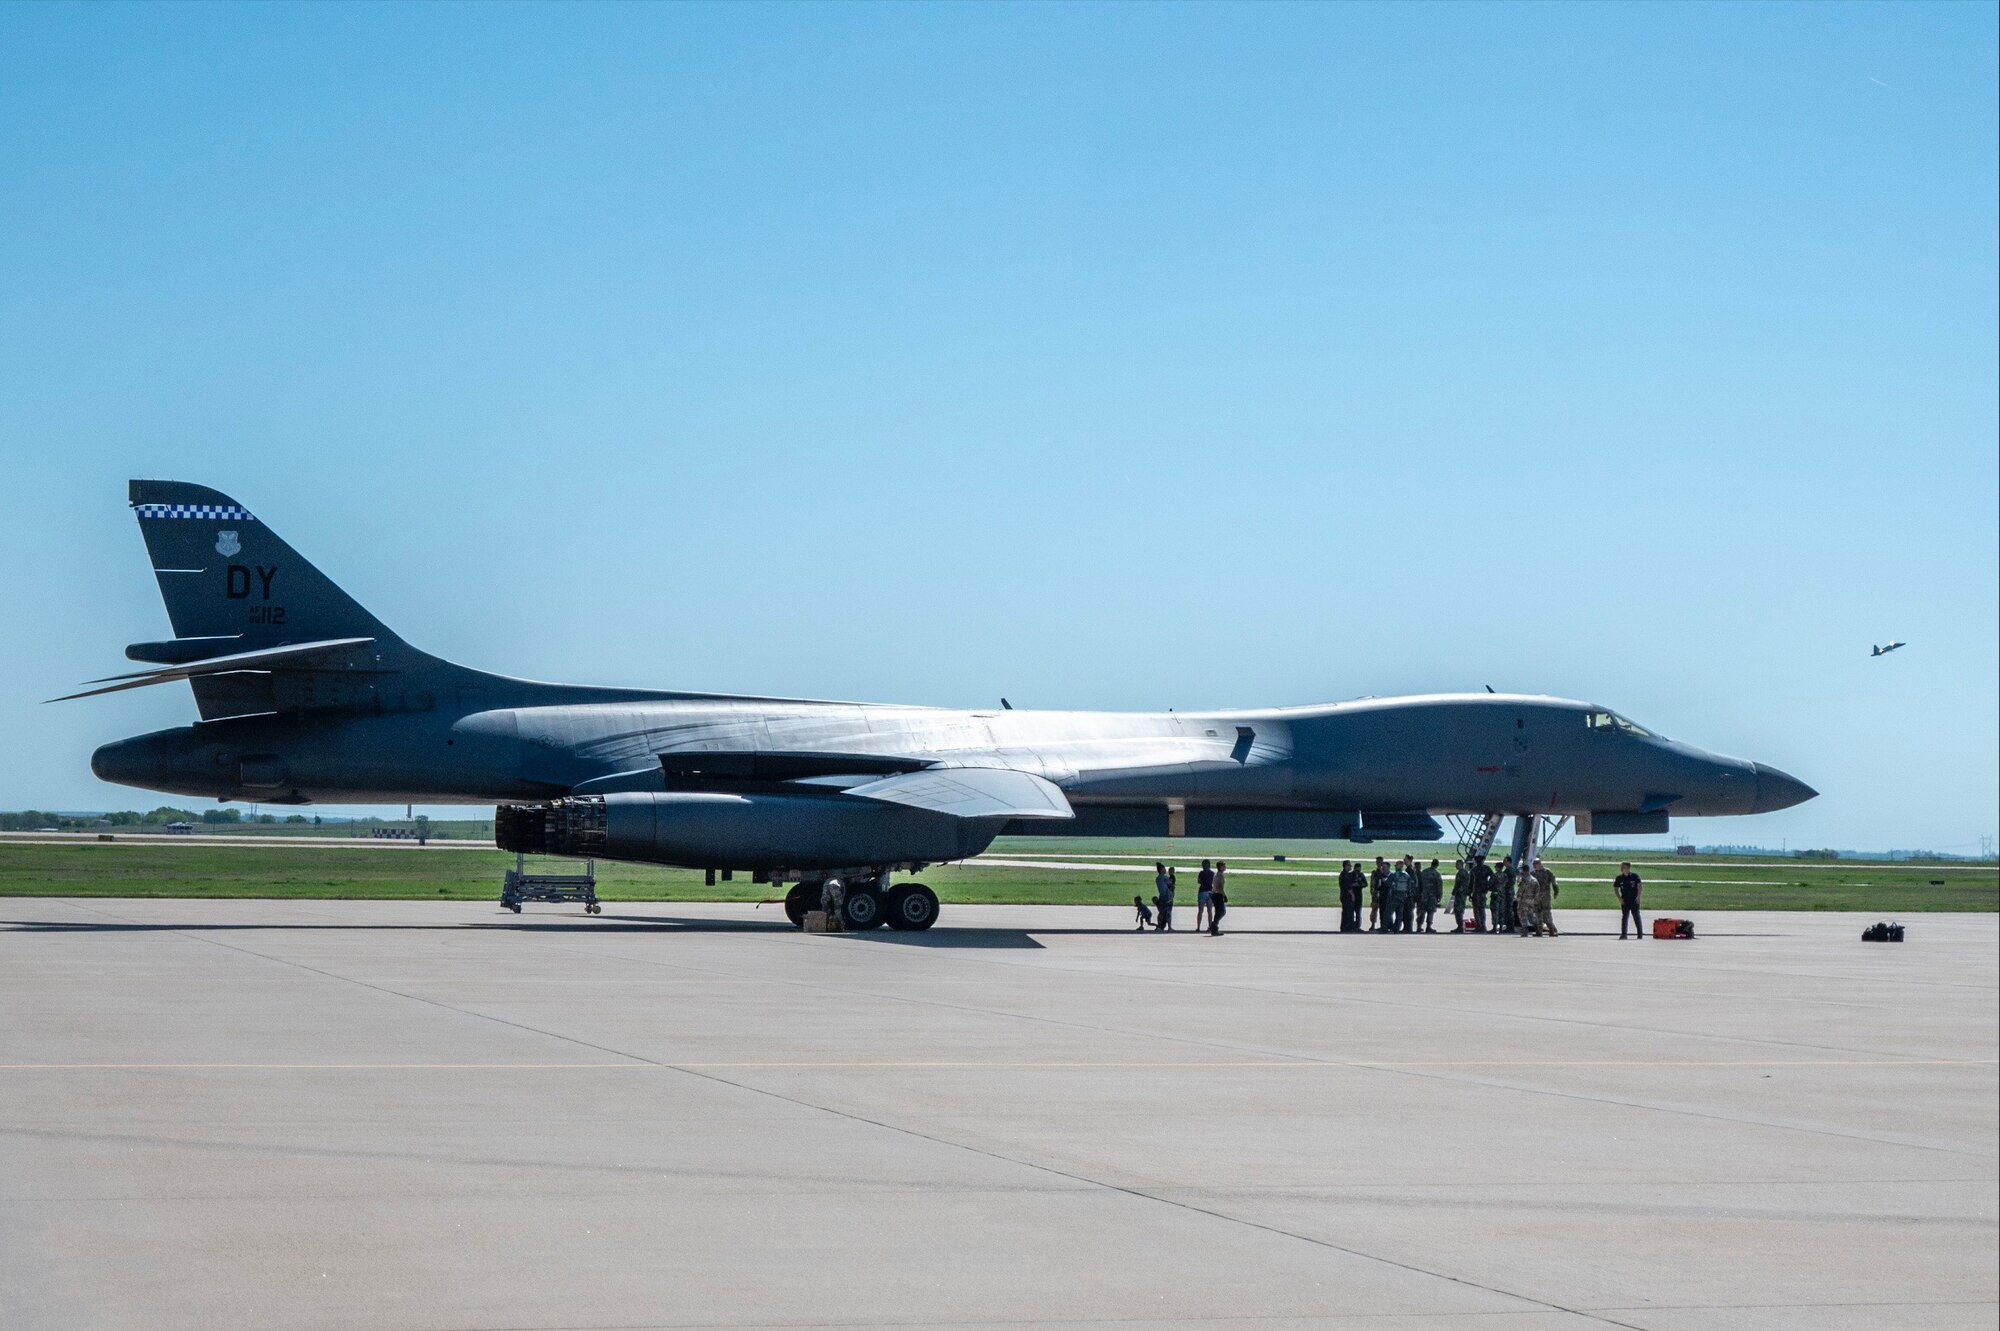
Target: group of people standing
(1211, 898)
(1404, 897)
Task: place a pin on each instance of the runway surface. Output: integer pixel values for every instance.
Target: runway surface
(266, 1114)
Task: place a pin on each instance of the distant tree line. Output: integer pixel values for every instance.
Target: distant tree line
(33, 820)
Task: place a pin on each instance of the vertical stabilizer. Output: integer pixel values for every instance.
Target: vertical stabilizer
(224, 574)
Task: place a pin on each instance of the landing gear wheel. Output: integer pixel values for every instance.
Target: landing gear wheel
(912, 906)
(863, 908)
(798, 901)
(593, 909)
(514, 906)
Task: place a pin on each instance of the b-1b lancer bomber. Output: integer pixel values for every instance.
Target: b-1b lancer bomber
(304, 696)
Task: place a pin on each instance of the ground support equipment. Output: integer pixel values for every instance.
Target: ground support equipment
(523, 886)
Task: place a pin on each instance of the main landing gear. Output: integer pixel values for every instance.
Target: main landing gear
(867, 904)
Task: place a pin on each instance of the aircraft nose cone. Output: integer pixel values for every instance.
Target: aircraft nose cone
(1776, 790)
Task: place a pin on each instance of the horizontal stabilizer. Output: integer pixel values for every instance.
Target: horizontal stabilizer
(179, 651)
(292, 656)
(972, 792)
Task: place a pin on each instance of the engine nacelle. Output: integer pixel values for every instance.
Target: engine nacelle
(719, 830)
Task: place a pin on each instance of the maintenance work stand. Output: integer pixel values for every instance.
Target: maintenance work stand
(524, 886)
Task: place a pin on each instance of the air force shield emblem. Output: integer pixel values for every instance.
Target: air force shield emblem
(226, 543)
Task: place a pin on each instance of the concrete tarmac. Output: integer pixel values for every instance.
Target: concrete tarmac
(262, 1114)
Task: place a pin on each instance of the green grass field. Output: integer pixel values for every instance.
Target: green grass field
(250, 869)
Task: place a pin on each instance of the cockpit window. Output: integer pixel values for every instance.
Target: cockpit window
(1613, 721)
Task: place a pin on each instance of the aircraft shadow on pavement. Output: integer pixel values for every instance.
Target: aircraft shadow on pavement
(610, 924)
(945, 937)
(973, 938)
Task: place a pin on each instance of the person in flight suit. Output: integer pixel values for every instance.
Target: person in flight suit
(1378, 883)
(1355, 886)
(1482, 888)
(1503, 897)
(1461, 888)
(1430, 895)
(1399, 895)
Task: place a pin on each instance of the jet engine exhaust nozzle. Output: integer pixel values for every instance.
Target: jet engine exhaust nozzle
(571, 827)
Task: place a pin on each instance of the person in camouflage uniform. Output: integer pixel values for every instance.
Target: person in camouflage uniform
(1546, 891)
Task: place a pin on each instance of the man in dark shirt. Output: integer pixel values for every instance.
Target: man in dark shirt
(1627, 884)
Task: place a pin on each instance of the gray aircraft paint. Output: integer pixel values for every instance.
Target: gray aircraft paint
(348, 712)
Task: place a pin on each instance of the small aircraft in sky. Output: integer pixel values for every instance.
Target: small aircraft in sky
(1884, 651)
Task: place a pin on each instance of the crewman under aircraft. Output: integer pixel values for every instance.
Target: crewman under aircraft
(1378, 883)
(1430, 895)
(1461, 888)
(832, 896)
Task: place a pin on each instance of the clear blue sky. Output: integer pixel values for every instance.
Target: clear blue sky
(1108, 356)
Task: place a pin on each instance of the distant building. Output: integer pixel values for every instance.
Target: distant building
(183, 829)
(1685, 850)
